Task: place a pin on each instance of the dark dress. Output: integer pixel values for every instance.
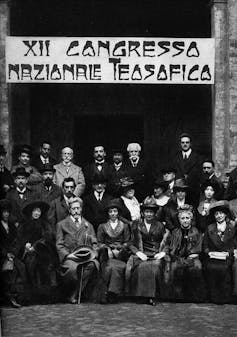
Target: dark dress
(41, 264)
(185, 281)
(144, 277)
(117, 238)
(219, 272)
(12, 281)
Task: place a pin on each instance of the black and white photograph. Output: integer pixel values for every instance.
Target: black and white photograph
(118, 168)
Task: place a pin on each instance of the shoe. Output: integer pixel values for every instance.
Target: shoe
(152, 301)
(73, 298)
(14, 303)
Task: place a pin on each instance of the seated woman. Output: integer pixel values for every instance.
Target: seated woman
(159, 197)
(179, 199)
(36, 248)
(144, 267)
(218, 245)
(114, 236)
(129, 205)
(12, 272)
(208, 191)
(185, 245)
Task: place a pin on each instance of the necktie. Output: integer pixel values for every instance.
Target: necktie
(99, 197)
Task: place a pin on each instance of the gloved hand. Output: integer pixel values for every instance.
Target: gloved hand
(142, 256)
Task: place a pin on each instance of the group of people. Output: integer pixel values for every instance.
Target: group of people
(112, 230)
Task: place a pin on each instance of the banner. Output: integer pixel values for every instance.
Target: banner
(110, 60)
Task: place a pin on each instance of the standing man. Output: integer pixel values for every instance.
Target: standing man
(48, 191)
(188, 165)
(73, 232)
(168, 175)
(137, 170)
(24, 157)
(59, 207)
(118, 170)
(43, 157)
(208, 175)
(98, 167)
(6, 179)
(22, 194)
(66, 169)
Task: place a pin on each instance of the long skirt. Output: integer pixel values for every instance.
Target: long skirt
(219, 280)
(114, 275)
(186, 281)
(145, 277)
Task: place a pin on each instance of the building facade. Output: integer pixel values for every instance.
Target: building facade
(81, 115)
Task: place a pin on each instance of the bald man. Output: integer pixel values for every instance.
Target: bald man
(66, 169)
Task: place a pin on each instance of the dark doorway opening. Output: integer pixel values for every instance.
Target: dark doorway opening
(113, 132)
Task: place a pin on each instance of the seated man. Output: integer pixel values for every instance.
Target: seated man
(73, 232)
(66, 169)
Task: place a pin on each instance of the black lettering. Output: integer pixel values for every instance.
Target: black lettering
(150, 68)
(146, 49)
(15, 68)
(68, 68)
(136, 74)
(114, 61)
(55, 73)
(72, 45)
(94, 69)
(118, 45)
(88, 49)
(165, 46)
(162, 74)
(39, 68)
(105, 45)
(205, 74)
(191, 71)
(123, 69)
(132, 46)
(26, 71)
(179, 45)
(174, 69)
(81, 71)
(30, 45)
(193, 50)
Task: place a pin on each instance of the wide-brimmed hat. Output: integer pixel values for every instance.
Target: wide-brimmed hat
(20, 171)
(5, 205)
(168, 169)
(114, 203)
(126, 183)
(99, 178)
(2, 149)
(83, 254)
(149, 203)
(213, 184)
(47, 167)
(180, 184)
(25, 149)
(162, 184)
(221, 205)
(42, 205)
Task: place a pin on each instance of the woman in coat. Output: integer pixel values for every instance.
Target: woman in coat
(36, 248)
(220, 241)
(12, 270)
(185, 245)
(114, 236)
(144, 267)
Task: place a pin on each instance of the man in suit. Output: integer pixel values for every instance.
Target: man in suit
(21, 194)
(43, 157)
(96, 201)
(59, 207)
(66, 169)
(168, 175)
(6, 179)
(73, 232)
(118, 170)
(188, 165)
(98, 167)
(137, 170)
(24, 157)
(208, 175)
(48, 191)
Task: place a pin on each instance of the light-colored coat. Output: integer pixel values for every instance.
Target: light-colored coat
(74, 172)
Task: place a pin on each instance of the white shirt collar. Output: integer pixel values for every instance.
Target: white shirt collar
(74, 220)
(187, 153)
(44, 160)
(113, 224)
(21, 191)
(98, 195)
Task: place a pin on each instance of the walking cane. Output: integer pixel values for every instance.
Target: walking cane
(81, 279)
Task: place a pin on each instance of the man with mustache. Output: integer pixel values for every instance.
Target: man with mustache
(59, 207)
(98, 167)
(47, 190)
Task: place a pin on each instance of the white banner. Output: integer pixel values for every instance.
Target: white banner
(109, 60)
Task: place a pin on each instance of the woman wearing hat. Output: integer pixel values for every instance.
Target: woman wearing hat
(114, 236)
(185, 281)
(220, 241)
(178, 199)
(144, 267)
(12, 270)
(129, 205)
(36, 248)
(208, 191)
